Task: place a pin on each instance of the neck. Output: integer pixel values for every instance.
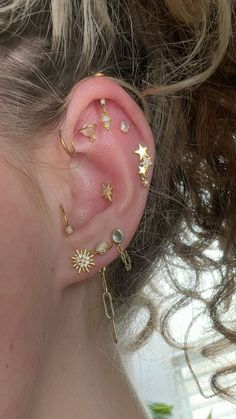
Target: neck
(83, 374)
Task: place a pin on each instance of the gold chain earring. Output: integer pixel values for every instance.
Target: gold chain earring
(68, 227)
(117, 238)
(108, 304)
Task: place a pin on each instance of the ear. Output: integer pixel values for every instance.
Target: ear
(115, 155)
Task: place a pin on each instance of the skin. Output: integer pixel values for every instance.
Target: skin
(58, 359)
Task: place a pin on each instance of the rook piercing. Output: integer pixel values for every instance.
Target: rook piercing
(118, 237)
(107, 191)
(105, 118)
(108, 304)
(89, 131)
(68, 227)
(145, 161)
(124, 127)
(72, 151)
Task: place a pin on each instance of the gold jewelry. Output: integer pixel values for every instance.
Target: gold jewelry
(145, 161)
(68, 227)
(107, 191)
(88, 130)
(99, 75)
(82, 260)
(108, 304)
(124, 127)
(105, 118)
(71, 151)
(117, 238)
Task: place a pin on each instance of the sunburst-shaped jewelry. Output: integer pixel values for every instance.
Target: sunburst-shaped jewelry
(82, 260)
(107, 191)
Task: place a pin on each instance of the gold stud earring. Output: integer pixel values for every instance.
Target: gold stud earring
(68, 227)
(88, 130)
(124, 127)
(105, 118)
(108, 304)
(145, 161)
(82, 260)
(107, 191)
(117, 238)
(71, 151)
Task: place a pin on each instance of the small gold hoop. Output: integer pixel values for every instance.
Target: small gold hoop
(72, 151)
(68, 227)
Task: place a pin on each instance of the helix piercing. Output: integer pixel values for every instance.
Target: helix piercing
(72, 151)
(145, 161)
(68, 227)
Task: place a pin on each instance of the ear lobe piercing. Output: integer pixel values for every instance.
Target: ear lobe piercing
(145, 161)
(68, 227)
(107, 191)
(82, 260)
(105, 118)
(117, 238)
(71, 151)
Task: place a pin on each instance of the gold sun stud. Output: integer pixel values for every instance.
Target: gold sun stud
(145, 161)
(82, 260)
(107, 191)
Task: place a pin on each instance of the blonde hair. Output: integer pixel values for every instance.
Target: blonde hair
(177, 58)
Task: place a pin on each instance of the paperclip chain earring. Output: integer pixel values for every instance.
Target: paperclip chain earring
(108, 304)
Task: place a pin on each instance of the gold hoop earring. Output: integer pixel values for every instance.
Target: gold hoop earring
(68, 227)
(108, 304)
(72, 151)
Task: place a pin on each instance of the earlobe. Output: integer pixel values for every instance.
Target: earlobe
(110, 164)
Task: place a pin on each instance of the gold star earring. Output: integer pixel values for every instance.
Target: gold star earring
(145, 161)
(107, 191)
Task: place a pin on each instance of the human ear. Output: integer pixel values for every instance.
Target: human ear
(120, 154)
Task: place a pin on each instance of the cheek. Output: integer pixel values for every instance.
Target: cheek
(24, 294)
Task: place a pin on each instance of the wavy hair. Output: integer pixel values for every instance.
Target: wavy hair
(177, 58)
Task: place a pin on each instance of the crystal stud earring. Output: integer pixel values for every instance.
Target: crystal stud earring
(105, 118)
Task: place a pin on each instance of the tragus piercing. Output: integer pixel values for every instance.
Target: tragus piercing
(71, 151)
(68, 227)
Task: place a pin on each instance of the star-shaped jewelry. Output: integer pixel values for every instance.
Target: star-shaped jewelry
(82, 260)
(142, 152)
(107, 191)
(142, 170)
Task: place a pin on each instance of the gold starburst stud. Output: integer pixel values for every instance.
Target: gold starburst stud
(145, 161)
(82, 260)
(107, 191)
(142, 152)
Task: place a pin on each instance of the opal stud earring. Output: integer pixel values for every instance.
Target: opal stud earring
(117, 238)
(124, 127)
(68, 227)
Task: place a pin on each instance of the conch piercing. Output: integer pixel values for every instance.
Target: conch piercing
(107, 191)
(105, 118)
(72, 151)
(88, 130)
(108, 304)
(117, 238)
(68, 227)
(145, 161)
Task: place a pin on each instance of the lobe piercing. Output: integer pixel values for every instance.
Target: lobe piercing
(88, 130)
(117, 238)
(107, 191)
(105, 118)
(82, 260)
(68, 227)
(145, 161)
